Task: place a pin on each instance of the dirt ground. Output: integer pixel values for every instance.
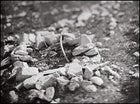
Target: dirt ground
(40, 15)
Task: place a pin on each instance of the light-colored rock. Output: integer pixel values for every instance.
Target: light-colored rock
(21, 52)
(25, 58)
(30, 82)
(49, 94)
(84, 40)
(26, 72)
(97, 73)
(73, 86)
(90, 88)
(56, 74)
(62, 81)
(32, 37)
(136, 75)
(84, 16)
(13, 96)
(74, 69)
(97, 80)
(88, 73)
(78, 79)
(40, 40)
(99, 44)
(62, 71)
(137, 54)
(45, 81)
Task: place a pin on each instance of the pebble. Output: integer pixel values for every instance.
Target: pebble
(73, 86)
(45, 81)
(91, 52)
(30, 82)
(136, 75)
(97, 80)
(32, 37)
(97, 73)
(79, 50)
(26, 72)
(49, 94)
(62, 71)
(62, 81)
(136, 54)
(90, 88)
(88, 73)
(13, 96)
(74, 69)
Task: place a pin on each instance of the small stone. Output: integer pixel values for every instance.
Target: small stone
(57, 100)
(77, 79)
(13, 96)
(22, 14)
(85, 59)
(62, 71)
(74, 69)
(45, 81)
(84, 40)
(84, 16)
(32, 37)
(131, 72)
(26, 72)
(106, 38)
(91, 52)
(111, 77)
(30, 82)
(73, 86)
(90, 88)
(115, 66)
(62, 81)
(88, 73)
(40, 41)
(99, 44)
(97, 80)
(136, 65)
(97, 73)
(112, 32)
(136, 54)
(136, 75)
(49, 94)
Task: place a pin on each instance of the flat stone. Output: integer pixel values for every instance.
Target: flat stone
(137, 54)
(91, 52)
(45, 81)
(21, 52)
(26, 72)
(79, 50)
(49, 94)
(88, 73)
(74, 69)
(77, 79)
(97, 80)
(90, 88)
(96, 59)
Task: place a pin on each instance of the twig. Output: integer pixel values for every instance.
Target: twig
(61, 45)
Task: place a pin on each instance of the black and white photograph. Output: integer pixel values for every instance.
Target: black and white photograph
(69, 51)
